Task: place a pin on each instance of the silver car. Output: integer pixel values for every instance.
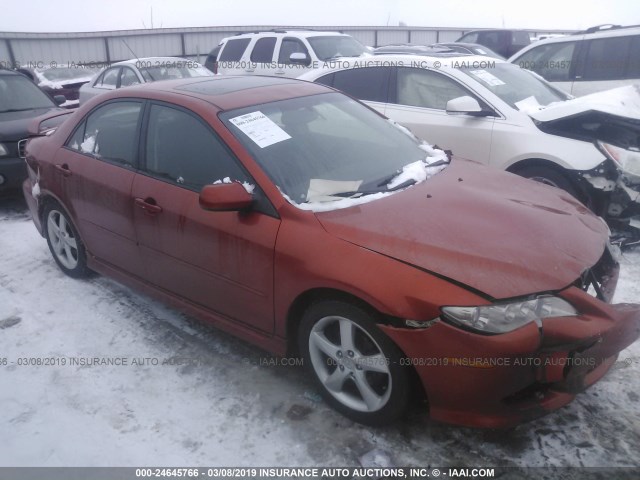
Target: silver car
(141, 70)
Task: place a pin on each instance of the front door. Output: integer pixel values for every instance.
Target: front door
(222, 261)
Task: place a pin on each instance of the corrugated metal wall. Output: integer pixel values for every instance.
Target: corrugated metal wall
(41, 49)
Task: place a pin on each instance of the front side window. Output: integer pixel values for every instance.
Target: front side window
(552, 61)
(290, 46)
(234, 49)
(364, 83)
(427, 89)
(181, 149)
(110, 133)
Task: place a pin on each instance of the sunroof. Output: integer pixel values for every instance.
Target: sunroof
(222, 85)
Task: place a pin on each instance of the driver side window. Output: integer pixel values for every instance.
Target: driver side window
(181, 149)
(289, 46)
(427, 89)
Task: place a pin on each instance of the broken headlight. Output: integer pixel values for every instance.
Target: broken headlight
(628, 160)
(506, 317)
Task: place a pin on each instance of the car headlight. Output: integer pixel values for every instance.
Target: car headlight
(506, 317)
(628, 160)
(3, 150)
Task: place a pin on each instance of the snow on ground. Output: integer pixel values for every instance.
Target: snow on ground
(235, 407)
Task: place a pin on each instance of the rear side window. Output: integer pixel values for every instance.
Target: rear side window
(552, 61)
(234, 49)
(183, 150)
(263, 50)
(607, 58)
(128, 78)
(109, 79)
(469, 38)
(633, 70)
(427, 89)
(110, 133)
(364, 83)
(520, 38)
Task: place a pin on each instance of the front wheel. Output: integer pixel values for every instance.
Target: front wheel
(64, 242)
(551, 177)
(357, 368)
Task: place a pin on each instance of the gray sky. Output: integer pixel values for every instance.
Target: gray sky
(95, 15)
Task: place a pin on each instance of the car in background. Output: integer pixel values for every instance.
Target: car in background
(502, 41)
(20, 103)
(141, 70)
(61, 81)
(283, 53)
(470, 48)
(595, 60)
(297, 218)
(507, 117)
(412, 49)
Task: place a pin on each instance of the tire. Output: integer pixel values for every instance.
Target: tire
(552, 177)
(64, 242)
(357, 368)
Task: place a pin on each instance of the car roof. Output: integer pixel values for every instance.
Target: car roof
(4, 71)
(226, 92)
(285, 31)
(134, 61)
(434, 62)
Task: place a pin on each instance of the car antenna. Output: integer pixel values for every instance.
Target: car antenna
(127, 45)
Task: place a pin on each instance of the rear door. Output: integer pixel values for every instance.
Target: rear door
(97, 166)
(222, 261)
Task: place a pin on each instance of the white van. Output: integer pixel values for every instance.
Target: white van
(598, 59)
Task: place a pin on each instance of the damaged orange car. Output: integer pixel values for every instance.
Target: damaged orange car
(302, 221)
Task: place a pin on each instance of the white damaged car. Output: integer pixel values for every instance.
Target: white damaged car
(508, 117)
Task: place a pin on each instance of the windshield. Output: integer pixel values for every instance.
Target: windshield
(62, 74)
(18, 93)
(319, 147)
(516, 86)
(333, 47)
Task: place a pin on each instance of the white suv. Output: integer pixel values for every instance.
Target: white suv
(496, 113)
(586, 62)
(284, 53)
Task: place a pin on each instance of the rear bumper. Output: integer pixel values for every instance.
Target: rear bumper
(502, 380)
(13, 171)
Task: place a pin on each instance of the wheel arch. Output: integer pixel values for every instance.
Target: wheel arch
(309, 297)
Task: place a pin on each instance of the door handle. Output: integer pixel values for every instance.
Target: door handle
(149, 205)
(64, 169)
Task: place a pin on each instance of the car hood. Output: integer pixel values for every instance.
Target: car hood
(623, 102)
(495, 232)
(14, 126)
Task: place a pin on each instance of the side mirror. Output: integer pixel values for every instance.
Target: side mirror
(467, 106)
(59, 99)
(299, 58)
(225, 197)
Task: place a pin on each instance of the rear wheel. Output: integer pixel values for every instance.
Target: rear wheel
(357, 368)
(64, 242)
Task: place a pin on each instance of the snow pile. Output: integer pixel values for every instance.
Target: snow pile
(249, 187)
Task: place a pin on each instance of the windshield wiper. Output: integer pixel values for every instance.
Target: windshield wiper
(359, 193)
